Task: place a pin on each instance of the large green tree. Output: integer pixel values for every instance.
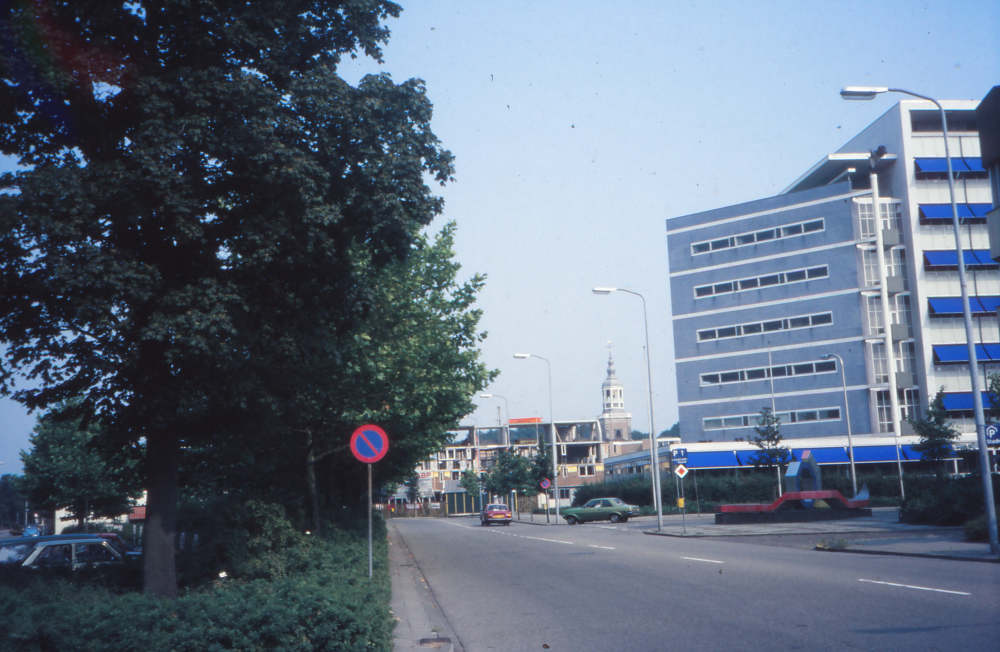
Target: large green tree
(196, 182)
(64, 469)
(771, 452)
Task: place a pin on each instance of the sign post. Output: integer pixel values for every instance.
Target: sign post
(682, 471)
(545, 484)
(369, 444)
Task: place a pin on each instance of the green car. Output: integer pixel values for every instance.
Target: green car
(600, 509)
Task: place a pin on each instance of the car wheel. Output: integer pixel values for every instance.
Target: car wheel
(571, 520)
(615, 518)
(507, 523)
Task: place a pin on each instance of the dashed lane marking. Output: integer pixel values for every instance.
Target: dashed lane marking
(508, 534)
(601, 547)
(919, 588)
(710, 561)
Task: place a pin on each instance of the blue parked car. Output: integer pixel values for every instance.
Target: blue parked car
(32, 531)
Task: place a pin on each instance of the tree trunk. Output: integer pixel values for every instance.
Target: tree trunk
(159, 571)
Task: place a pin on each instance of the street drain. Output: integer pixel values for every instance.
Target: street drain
(433, 642)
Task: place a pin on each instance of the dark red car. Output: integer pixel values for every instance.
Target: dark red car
(495, 513)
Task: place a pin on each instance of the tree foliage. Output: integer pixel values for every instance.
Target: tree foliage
(471, 482)
(767, 438)
(510, 472)
(64, 469)
(936, 432)
(197, 184)
(11, 500)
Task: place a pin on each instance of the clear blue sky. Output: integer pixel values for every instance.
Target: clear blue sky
(581, 127)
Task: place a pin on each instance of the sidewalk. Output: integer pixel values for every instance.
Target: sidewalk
(420, 625)
(879, 534)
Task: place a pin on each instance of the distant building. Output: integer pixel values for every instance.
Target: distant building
(763, 292)
(615, 422)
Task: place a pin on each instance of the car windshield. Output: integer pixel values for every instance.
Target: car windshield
(616, 501)
(493, 508)
(13, 553)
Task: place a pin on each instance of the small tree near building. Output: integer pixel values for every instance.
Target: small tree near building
(936, 434)
(770, 454)
(470, 482)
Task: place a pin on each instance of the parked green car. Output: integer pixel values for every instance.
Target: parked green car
(600, 509)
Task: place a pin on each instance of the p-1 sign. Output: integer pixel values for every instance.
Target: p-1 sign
(993, 435)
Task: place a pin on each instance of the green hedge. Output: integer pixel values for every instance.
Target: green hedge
(945, 500)
(285, 591)
(726, 489)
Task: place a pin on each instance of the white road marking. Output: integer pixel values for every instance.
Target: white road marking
(711, 561)
(602, 547)
(920, 588)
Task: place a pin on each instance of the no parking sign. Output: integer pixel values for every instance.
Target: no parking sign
(369, 443)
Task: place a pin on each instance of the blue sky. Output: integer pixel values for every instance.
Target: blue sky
(580, 127)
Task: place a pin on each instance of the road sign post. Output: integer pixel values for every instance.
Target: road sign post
(682, 471)
(369, 444)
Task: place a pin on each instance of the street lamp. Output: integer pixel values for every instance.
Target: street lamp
(654, 454)
(552, 420)
(506, 410)
(847, 414)
(869, 93)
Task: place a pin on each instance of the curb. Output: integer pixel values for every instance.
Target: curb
(889, 553)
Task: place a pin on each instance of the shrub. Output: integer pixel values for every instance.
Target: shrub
(944, 501)
(286, 591)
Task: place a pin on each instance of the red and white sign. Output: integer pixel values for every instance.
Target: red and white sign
(521, 422)
(681, 471)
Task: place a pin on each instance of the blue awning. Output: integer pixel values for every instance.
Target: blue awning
(946, 306)
(711, 460)
(743, 457)
(874, 453)
(960, 352)
(943, 211)
(974, 164)
(953, 305)
(824, 455)
(973, 258)
(962, 401)
(980, 210)
(934, 164)
(914, 456)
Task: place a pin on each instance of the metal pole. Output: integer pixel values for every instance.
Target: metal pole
(890, 358)
(654, 454)
(847, 414)
(555, 452)
(369, 520)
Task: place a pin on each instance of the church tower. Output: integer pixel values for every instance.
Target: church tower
(615, 422)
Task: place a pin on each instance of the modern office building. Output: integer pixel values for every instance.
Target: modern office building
(766, 294)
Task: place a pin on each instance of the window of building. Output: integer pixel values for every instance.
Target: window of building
(909, 407)
(899, 305)
(890, 210)
(781, 278)
(586, 469)
(754, 237)
(564, 494)
(791, 417)
(763, 373)
(756, 328)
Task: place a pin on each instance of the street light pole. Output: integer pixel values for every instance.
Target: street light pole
(847, 414)
(869, 93)
(654, 453)
(552, 420)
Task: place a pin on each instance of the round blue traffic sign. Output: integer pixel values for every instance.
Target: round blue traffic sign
(369, 443)
(545, 483)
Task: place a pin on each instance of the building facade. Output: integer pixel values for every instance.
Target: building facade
(766, 294)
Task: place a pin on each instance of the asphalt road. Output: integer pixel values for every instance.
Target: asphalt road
(605, 587)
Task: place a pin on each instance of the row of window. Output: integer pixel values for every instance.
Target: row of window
(785, 418)
(763, 373)
(753, 237)
(781, 278)
(755, 328)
